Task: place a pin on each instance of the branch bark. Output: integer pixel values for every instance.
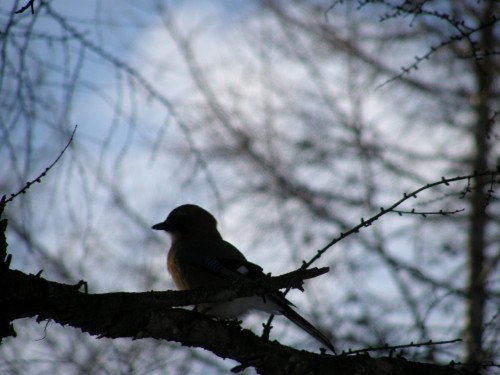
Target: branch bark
(152, 315)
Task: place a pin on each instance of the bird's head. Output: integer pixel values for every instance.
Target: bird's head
(188, 219)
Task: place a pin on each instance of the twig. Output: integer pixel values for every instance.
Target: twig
(29, 4)
(429, 213)
(395, 347)
(38, 179)
(366, 223)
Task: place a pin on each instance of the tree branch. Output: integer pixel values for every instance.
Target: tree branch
(29, 295)
(149, 315)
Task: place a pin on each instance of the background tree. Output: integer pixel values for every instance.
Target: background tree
(291, 121)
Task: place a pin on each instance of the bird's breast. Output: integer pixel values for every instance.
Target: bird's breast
(176, 269)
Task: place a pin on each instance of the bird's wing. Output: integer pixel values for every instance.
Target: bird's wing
(231, 265)
(219, 258)
(230, 269)
(233, 269)
(235, 266)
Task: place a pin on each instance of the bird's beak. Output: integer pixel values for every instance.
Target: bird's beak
(161, 226)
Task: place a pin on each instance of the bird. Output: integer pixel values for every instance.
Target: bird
(199, 257)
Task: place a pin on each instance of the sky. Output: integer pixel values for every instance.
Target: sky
(134, 136)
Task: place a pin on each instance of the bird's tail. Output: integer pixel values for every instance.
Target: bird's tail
(295, 317)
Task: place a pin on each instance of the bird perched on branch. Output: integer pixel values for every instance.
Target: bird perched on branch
(199, 257)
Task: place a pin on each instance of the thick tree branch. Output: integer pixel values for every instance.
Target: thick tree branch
(29, 295)
(18, 291)
(150, 315)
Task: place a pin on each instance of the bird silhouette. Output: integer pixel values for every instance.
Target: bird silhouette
(199, 257)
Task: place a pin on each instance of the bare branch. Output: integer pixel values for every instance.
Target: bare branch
(383, 211)
(39, 178)
(29, 4)
(147, 315)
